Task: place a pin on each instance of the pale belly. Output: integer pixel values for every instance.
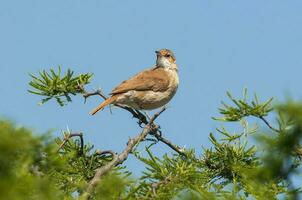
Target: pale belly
(146, 100)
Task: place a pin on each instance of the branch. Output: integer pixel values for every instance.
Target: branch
(298, 150)
(268, 124)
(68, 136)
(140, 116)
(99, 152)
(88, 94)
(105, 152)
(176, 148)
(120, 158)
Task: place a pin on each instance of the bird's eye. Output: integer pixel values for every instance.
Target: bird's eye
(168, 55)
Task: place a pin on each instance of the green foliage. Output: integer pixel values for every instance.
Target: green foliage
(114, 186)
(52, 85)
(32, 168)
(225, 160)
(80, 168)
(20, 154)
(243, 108)
(281, 160)
(232, 168)
(168, 176)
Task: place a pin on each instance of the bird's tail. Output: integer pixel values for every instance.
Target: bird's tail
(103, 105)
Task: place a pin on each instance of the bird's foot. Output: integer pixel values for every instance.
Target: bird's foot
(147, 115)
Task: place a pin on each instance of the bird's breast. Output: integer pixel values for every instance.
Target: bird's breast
(149, 100)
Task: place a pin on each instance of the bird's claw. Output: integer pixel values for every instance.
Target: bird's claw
(140, 122)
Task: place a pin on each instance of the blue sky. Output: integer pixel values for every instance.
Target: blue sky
(219, 45)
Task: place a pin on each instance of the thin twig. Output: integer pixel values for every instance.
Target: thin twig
(70, 135)
(120, 158)
(268, 124)
(176, 148)
(112, 153)
(97, 92)
(297, 150)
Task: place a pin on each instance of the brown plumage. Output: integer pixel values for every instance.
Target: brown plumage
(104, 104)
(148, 89)
(156, 79)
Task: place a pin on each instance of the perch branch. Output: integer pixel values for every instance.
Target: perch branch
(142, 120)
(120, 158)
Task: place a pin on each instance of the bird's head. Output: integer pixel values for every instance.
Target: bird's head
(165, 58)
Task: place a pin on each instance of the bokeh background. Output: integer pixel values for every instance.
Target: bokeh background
(220, 46)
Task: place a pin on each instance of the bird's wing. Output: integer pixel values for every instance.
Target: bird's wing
(155, 79)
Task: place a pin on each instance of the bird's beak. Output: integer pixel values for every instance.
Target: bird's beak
(157, 52)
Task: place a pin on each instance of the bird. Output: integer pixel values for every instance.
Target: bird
(150, 89)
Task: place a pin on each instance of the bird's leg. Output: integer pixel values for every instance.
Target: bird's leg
(147, 115)
(110, 108)
(159, 131)
(165, 107)
(140, 116)
(140, 123)
(154, 126)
